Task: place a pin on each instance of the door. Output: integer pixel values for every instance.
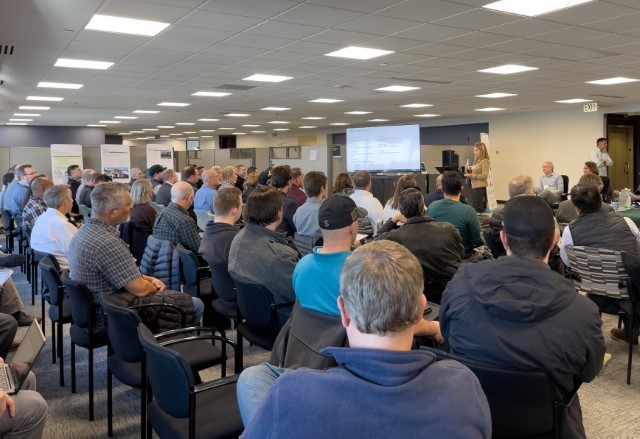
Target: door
(621, 152)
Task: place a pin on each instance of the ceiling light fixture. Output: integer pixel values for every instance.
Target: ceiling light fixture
(490, 109)
(612, 81)
(397, 88)
(281, 122)
(94, 125)
(211, 94)
(174, 104)
(44, 98)
(573, 101)
(426, 115)
(258, 131)
(507, 69)
(496, 95)
(314, 118)
(267, 78)
(16, 123)
(31, 107)
(250, 126)
(123, 25)
(275, 109)
(362, 53)
(326, 101)
(308, 126)
(208, 120)
(147, 111)
(27, 114)
(339, 123)
(166, 126)
(416, 105)
(378, 120)
(533, 8)
(125, 117)
(237, 115)
(82, 64)
(357, 112)
(185, 123)
(207, 131)
(59, 85)
(281, 129)
(109, 121)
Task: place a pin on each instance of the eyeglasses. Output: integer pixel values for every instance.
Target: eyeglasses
(32, 173)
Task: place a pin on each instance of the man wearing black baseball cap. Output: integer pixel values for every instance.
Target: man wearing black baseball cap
(155, 174)
(515, 312)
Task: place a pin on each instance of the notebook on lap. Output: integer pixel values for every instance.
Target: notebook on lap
(13, 374)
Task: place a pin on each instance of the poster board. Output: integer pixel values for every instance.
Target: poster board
(492, 204)
(159, 154)
(63, 156)
(116, 162)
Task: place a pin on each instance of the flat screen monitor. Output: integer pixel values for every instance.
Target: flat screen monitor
(393, 148)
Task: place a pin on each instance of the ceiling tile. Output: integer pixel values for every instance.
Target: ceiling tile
(588, 13)
(214, 20)
(424, 10)
(431, 33)
(342, 38)
(279, 29)
(477, 19)
(356, 5)
(258, 41)
(249, 8)
(143, 11)
(525, 27)
(379, 25)
(313, 15)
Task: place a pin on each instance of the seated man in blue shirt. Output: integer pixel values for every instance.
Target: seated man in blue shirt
(551, 185)
(206, 195)
(306, 217)
(381, 381)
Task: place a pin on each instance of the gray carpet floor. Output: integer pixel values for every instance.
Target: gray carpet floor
(609, 405)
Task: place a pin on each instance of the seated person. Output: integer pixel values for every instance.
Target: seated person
(272, 259)
(392, 208)
(89, 182)
(217, 238)
(143, 214)
(22, 415)
(52, 231)
(174, 224)
(380, 303)
(514, 312)
(551, 185)
(163, 191)
(281, 180)
(567, 211)
(462, 216)
(36, 205)
(437, 245)
(435, 195)
(297, 180)
(306, 217)
(101, 260)
(205, 196)
(364, 198)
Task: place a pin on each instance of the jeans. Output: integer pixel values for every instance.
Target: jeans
(252, 388)
(198, 310)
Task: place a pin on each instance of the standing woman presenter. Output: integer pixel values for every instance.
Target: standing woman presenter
(478, 174)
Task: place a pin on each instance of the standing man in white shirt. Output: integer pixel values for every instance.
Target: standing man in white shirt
(365, 199)
(600, 156)
(52, 231)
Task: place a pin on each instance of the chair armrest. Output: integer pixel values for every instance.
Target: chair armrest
(568, 398)
(189, 332)
(282, 305)
(216, 383)
(177, 309)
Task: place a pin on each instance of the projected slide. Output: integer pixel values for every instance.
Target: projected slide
(384, 149)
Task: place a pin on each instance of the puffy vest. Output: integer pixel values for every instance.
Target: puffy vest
(603, 229)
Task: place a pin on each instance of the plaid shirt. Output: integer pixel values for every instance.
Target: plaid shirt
(174, 224)
(101, 260)
(34, 208)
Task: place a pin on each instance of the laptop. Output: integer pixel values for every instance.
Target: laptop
(13, 375)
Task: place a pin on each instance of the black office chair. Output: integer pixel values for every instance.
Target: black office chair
(124, 359)
(565, 187)
(10, 231)
(136, 239)
(83, 331)
(606, 189)
(32, 264)
(59, 309)
(258, 319)
(523, 404)
(226, 304)
(180, 408)
(192, 273)
(39, 256)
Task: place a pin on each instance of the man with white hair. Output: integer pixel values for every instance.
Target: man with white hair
(229, 177)
(551, 185)
(173, 223)
(205, 196)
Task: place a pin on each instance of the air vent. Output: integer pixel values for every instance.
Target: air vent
(6, 50)
(235, 87)
(424, 81)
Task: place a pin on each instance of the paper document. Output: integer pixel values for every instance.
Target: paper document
(5, 274)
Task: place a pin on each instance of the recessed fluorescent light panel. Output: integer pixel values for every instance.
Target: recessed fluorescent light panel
(416, 105)
(326, 101)
(339, 123)
(226, 128)
(258, 131)
(166, 126)
(357, 112)
(250, 126)
(185, 123)
(426, 115)
(378, 120)
(125, 117)
(237, 115)
(109, 121)
(211, 94)
(267, 78)
(26, 114)
(44, 98)
(189, 132)
(207, 131)
(149, 129)
(281, 122)
(612, 81)
(123, 25)
(308, 126)
(59, 85)
(174, 104)
(533, 8)
(354, 52)
(281, 129)
(208, 120)
(95, 125)
(397, 88)
(314, 118)
(574, 101)
(20, 120)
(137, 132)
(490, 109)
(82, 64)
(206, 137)
(275, 108)
(496, 95)
(31, 107)
(147, 111)
(16, 123)
(508, 69)
(239, 134)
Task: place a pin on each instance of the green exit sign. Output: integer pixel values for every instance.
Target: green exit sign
(590, 106)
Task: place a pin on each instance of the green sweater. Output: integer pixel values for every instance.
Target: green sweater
(463, 217)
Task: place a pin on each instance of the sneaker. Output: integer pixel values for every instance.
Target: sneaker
(618, 335)
(605, 362)
(25, 319)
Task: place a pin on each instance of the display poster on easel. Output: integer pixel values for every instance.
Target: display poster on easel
(116, 162)
(492, 203)
(159, 154)
(63, 156)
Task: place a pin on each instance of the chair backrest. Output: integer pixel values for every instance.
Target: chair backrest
(7, 220)
(122, 330)
(188, 266)
(521, 402)
(255, 304)
(203, 217)
(39, 256)
(222, 283)
(158, 206)
(85, 211)
(51, 279)
(169, 374)
(365, 227)
(304, 243)
(81, 301)
(565, 184)
(599, 271)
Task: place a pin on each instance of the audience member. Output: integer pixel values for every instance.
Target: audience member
(52, 231)
(83, 179)
(103, 178)
(451, 210)
(89, 181)
(101, 260)
(306, 217)
(281, 180)
(155, 175)
(600, 156)
(272, 260)
(17, 193)
(36, 205)
(391, 209)
(515, 313)
(437, 245)
(599, 228)
(200, 170)
(590, 167)
(10, 301)
(297, 180)
(6, 181)
(74, 175)
(551, 184)
(250, 185)
(365, 199)
(434, 195)
(242, 177)
(478, 175)
(229, 177)
(343, 184)
(567, 211)
(163, 191)
(143, 214)
(264, 179)
(206, 195)
(136, 174)
(173, 223)
(381, 303)
(217, 238)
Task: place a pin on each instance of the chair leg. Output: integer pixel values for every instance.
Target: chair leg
(109, 403)
(61, 353)
(631, 330)
(143, 402)
(73, 367)
(240, 353)
(54, 345)
(90, 383)
(44, 322)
